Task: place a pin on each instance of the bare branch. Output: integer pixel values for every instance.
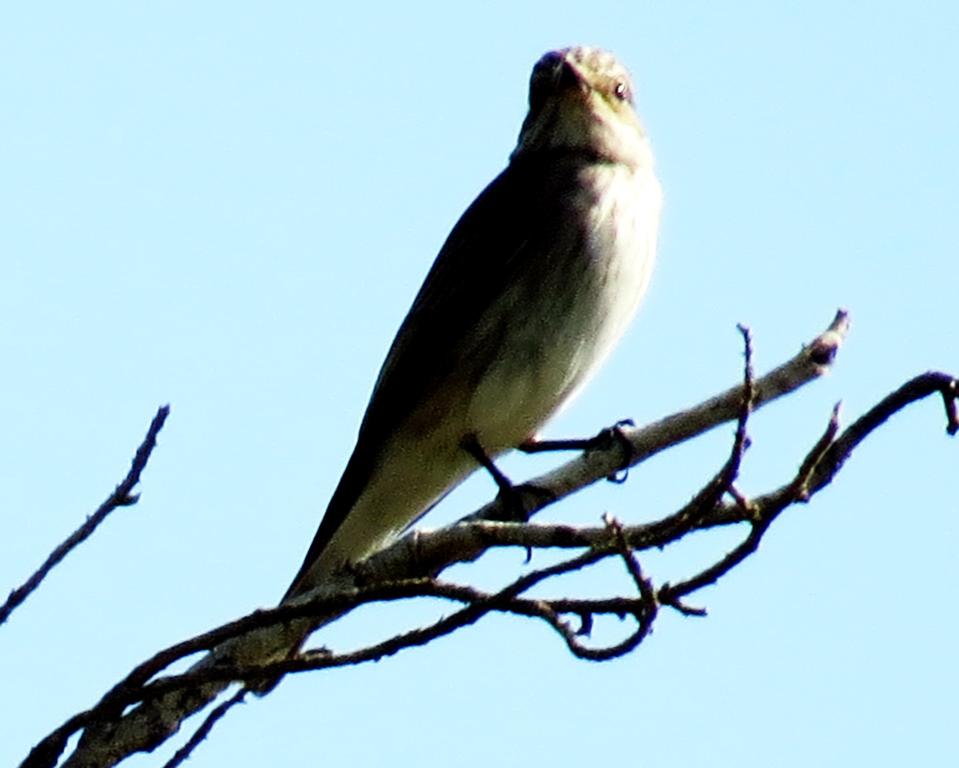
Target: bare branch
(915, 389)
(204, 730)
(814, 360)
(122, 496)
(818, 469)
(410, 567)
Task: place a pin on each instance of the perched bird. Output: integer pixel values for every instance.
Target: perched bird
(535, 284)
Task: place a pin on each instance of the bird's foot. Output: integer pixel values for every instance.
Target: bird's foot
(515, 501)
(606, 438)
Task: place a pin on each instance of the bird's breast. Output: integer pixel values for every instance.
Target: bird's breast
(572, 303)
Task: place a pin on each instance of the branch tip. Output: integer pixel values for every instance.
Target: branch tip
(950, 395)
(822, 352)
(122, 496)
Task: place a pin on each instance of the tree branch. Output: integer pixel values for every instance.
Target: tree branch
(149, 725)
(812, 361)
(410, 568)
(122, 496)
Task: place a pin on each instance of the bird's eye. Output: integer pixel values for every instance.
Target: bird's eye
(622, 91)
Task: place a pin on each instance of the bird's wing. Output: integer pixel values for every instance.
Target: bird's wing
(488, 247)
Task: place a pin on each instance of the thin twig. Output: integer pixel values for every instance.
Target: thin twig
(206, 726)
(762, 515)
(915, 389)
(122, 496)
(800, 485)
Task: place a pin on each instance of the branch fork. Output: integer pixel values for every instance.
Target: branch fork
(144, 710)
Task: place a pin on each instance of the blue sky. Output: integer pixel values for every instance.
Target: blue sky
(229, 207)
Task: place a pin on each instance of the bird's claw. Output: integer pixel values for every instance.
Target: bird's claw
(614, 435)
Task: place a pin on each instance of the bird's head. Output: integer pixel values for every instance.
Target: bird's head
(582, 99)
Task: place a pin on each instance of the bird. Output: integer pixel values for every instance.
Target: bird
(531, 290)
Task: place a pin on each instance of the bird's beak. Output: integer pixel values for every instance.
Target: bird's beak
(567, 76)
